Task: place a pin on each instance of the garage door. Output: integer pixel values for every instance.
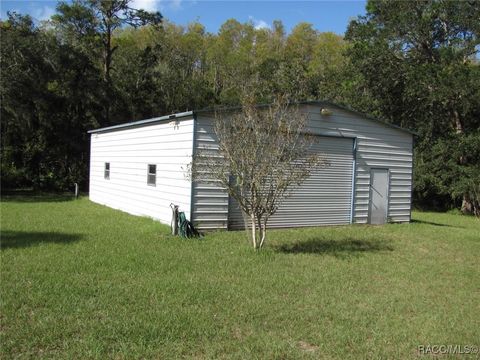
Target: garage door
(323, 199)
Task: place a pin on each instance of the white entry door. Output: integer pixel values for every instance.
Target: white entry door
(378, 196)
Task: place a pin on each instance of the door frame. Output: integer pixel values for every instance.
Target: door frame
(370, 194)
(354, 180)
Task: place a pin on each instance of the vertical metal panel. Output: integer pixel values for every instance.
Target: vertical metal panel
(377, 145)
(192, 182)
(353, 179)
(323, 199)
(209, 201)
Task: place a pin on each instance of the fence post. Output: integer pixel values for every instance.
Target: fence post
(174, 223)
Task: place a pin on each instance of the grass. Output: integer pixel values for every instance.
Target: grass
(79, 280)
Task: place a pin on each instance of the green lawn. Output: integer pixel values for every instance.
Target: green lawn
(80, 280)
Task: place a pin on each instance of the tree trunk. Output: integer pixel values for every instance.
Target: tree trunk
(458, 123)
(263, 233)
(107, 64)
(254, 233)
(467, 205)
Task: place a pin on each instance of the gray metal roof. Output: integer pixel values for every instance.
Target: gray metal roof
(142, 122)
(233, 108)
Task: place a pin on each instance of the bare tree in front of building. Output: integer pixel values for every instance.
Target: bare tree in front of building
(263, 153)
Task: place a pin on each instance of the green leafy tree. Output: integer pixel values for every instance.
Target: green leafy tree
(417, 66)
(328, 68)
(49, 99)
(94, 22)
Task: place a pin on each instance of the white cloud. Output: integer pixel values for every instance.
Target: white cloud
(147, 5)
(43, 13)
(156, 5)
(259, 24)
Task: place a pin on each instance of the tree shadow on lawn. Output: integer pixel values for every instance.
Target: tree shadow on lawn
(31, 196)
(37, 198)
(415, 221)
(23, 239)
(339, 248)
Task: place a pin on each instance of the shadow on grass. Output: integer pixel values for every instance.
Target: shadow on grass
(34, 198)
(23, 239)
(414, 221)
(340, 248)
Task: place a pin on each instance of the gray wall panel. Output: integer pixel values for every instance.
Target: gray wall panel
(378, 146)
(324, 198)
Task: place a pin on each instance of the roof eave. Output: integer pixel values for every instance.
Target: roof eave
(141, 122)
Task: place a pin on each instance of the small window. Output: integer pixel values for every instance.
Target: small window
(106, 174)
(152, 175)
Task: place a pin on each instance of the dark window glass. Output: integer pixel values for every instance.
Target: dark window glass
(106, 174)
(152, 175)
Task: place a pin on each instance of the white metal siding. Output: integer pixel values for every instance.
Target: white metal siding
(167, 144)
(323, 199)
(378, 146)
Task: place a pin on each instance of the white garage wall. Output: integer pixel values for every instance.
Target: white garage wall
(167, 144)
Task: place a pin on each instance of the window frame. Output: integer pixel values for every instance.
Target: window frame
(106, 171)
(151, 175)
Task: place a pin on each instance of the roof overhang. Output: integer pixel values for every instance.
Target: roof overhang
(142, 122)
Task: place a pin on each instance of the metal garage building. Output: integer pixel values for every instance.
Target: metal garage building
(140, 167)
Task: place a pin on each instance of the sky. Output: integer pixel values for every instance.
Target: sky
(324, 15)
